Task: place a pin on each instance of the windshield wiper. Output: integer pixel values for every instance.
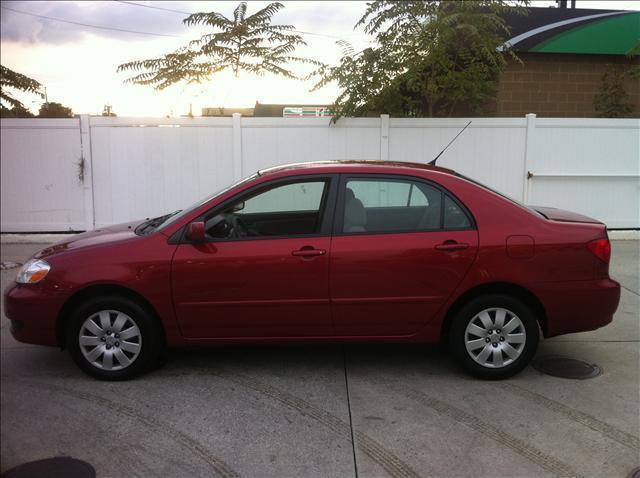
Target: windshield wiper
(151, 224)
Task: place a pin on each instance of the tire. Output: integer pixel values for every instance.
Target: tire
(133, 353)
(481, 346)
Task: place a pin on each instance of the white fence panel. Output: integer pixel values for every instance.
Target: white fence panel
(140, 167)
(269, 142)
(40, 175)
(590, 166)
(491, 150)
(145, 168)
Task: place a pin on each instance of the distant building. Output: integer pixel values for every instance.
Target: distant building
(285, 110)
(565, 52)
(291, 110)
(226, 111)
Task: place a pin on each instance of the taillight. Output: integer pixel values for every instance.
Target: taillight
(601, 248)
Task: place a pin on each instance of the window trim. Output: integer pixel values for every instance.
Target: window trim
(327, 206)
(338, 221)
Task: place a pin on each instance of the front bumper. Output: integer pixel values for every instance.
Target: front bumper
(33, 314)
(578, 306)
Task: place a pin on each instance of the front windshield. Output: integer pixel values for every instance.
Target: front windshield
(173, 218)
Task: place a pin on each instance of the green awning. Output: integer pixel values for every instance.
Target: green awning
(613, 36)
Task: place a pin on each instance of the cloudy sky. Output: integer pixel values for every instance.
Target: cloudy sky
(77, 62)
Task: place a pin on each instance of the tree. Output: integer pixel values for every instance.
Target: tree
(10, 79)
(429, 57)
(243, 43)
(107, 110)
(54, 110)
(612, 100)
(15, 112)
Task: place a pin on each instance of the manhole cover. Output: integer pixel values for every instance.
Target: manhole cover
(9, 265)
(58, 467)
(566, 367)
(635, 473)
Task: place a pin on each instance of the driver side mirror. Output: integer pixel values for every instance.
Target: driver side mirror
(196, 232)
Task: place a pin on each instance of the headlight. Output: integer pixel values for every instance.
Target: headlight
(33, 271)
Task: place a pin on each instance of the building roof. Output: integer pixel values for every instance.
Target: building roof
(575, 30)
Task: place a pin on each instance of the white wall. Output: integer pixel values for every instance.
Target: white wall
(41, 189)
(140, 167)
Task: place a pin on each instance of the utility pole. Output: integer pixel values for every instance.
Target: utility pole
(46, 98)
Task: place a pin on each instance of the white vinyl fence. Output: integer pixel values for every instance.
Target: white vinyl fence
(87, 172)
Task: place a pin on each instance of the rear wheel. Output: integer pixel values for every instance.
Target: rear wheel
(113, 338)
(494, 336)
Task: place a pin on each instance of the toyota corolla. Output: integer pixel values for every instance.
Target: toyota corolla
(330, 251)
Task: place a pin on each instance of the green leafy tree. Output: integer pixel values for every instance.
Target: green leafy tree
(12, 80)
(252, 44)
(429, 57)
(612, 100)
(15, 112)
(54, 110)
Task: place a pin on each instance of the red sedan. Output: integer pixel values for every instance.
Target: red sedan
(330, 251)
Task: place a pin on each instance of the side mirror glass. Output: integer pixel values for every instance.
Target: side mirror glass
(195, 231)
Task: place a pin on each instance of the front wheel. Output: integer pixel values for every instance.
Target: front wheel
(494, 336)
(113, 338)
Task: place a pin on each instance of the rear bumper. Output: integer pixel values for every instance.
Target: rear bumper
(578, 306)
(33, 314)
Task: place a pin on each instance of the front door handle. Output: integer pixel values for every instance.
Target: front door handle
(452, 246)
(308, 251)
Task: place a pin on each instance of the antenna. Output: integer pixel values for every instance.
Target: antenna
(433, 161)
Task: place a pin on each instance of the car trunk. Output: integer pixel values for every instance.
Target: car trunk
(585, 230)
(562, 215)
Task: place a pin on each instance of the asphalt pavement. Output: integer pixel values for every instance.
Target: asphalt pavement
(295, 411)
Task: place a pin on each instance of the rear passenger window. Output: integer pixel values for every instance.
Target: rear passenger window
(391, 206)
(454, 216)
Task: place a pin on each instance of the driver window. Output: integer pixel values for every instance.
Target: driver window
(291, 209)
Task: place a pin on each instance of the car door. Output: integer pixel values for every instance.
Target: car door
(401, 245)
(263, 271)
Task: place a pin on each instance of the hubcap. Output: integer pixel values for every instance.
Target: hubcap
(110, 340)
(495, 337)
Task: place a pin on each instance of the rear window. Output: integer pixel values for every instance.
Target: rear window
(508, 198)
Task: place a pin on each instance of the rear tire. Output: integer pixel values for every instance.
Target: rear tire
(494, 336)
(113, 338)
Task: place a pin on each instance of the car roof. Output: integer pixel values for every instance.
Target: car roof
(366, 165)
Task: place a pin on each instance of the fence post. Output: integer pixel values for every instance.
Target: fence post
(384, 137)
(237, 146)
(529, 140)
(87, 172)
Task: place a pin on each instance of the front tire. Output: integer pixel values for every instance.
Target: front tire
(113, 338)
(494, 336)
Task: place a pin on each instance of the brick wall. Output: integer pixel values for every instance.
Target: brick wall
(557, 85)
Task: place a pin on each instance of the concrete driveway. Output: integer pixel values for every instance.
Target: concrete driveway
(285, 411)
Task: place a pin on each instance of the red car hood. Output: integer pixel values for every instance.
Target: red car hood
(104, 235)
(562, 215)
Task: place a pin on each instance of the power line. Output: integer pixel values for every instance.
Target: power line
(100, 27)
(181, 12)
(154, 7)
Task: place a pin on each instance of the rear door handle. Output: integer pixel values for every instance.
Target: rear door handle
(452, 246)
(309, 252)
